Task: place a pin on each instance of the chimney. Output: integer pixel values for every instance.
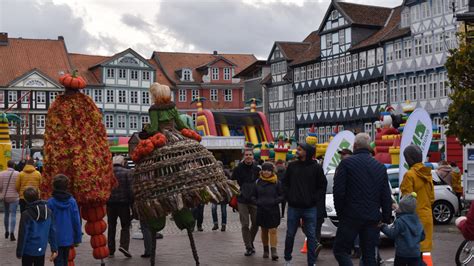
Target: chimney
(3, 38)
(60, 38)
(214, 53)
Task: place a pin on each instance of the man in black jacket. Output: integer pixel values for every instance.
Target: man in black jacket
(304, 186)
(246, 173)
(360, 191)
(119, 206)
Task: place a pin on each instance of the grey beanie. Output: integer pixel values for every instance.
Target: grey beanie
(413, 154)
(408, 203)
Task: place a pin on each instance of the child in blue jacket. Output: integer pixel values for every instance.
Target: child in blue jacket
(407, 232)
(36, 230)
(66, 217)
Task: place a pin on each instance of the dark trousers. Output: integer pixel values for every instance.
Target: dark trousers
(347, 232)
(63, 254)
(309, 217)
(147, 238)
(404, 261)
(22, 205)
(32, 260)
(198, 214)
(319, 225)
(122, 211)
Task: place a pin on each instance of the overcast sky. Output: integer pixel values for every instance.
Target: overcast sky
(106, 27)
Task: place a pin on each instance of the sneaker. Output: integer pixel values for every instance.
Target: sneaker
(125, 252)
(319, 246)
(249, 252)
(12, 237)
(287, 263)
(223, 228)
(215, 227)
(6, 235)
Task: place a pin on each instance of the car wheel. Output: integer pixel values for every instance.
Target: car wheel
(443, 212)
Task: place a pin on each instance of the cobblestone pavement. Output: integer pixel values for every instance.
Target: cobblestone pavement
(226, 248)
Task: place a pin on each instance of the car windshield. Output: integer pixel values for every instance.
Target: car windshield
(393, 179)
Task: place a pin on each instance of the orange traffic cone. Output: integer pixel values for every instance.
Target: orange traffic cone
(304, 249)
(427, 259)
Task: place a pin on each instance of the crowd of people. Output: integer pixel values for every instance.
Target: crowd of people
(362, 198)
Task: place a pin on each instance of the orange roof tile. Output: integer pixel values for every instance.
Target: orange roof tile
(365, 14)
(292, 50)
(170, 62)
(20, 56)
(312, 53)
(83, 63)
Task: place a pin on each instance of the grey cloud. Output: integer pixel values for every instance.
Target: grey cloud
(236, 27)
(136, 22)
(32, 19)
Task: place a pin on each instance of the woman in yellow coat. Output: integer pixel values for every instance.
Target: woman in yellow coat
(419, 180)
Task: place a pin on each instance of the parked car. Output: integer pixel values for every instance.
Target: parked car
(446, 203)
(329, 227)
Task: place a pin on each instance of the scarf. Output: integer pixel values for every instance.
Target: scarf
(272, 179)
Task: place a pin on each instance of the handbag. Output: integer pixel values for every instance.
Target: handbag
(8, 184)
(233, 203)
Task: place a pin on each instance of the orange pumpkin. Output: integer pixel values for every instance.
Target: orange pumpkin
(100, 252)
(72, 81)
(93, 214)
(98, 241)
(95, 228)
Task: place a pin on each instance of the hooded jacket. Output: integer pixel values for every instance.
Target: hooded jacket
(407, 232)
(36, 230)
(246, 175)
(29, 177)
(418, 179)
(66, 218)
(304, 183)
(8, 189)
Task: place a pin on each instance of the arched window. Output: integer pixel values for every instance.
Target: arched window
(128, 61)
(35, 83)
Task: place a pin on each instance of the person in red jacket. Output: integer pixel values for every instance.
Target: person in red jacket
(466, 224)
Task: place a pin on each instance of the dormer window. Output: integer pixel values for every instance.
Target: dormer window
(187, 74)
(215, 73)
(226, 73)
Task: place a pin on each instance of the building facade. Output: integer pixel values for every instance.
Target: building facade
(195, 75)
(252, 77)
(341, 85)
(278, 87)
(415, 63)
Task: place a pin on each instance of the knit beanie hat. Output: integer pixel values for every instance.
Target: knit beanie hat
(413, 154)
(267, 166)
(408, 203)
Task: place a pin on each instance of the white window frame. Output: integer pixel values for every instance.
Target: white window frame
(344, 99)
(145, 75)
(397, 47)
(194, 94)
(228, 95)
(52, 96)
(109, 121)
(342, 67)
(412, 88)
(428, 42)
(309, 72)
(121, 121)
(110, 72)
(214, 94)
(40, 97)
(317, 72)
(393, 91)
(389, 51)
(110, 96)
(122, 96)
(319, 101)
(402, 84)
(145, 119)
(365, 94)
(357, 96)
(133, 122)
(331, 100)
(374, 93)
(145, 98)
(407, 48)
(98, 97)
(371, 58)
(303, 73)
(380, 56)
(134, 97)
(335, 67)
(422, 87)
(215, 73)
(362, 60)
(350, 101)
(325, 101)
(418, 46)
(312, 102)
(382, 93)
(227, 73)
(443, 87)
(298, 104)
(40, 121)
(433, 85)
(122, 74)
(338, 100)
(329, 70)
(182, 95)
(305, 104)
(323, 69)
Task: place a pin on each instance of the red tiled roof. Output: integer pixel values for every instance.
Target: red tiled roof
(83, 63)
(292, 50)
(312, 37)
(391, 30)
(160, 76)
(365, 14)
(20, 56)
(170, 62)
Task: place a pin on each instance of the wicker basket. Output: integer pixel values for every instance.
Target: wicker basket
(181, 174)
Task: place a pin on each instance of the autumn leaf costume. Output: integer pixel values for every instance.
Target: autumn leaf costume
(174, 173)
(75, 144)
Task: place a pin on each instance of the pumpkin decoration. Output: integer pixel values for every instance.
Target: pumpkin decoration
(72, 81)
(146, 146)
(100, 253)
(98, 241)
(189, 133)
(95, 228)
(93, 214)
